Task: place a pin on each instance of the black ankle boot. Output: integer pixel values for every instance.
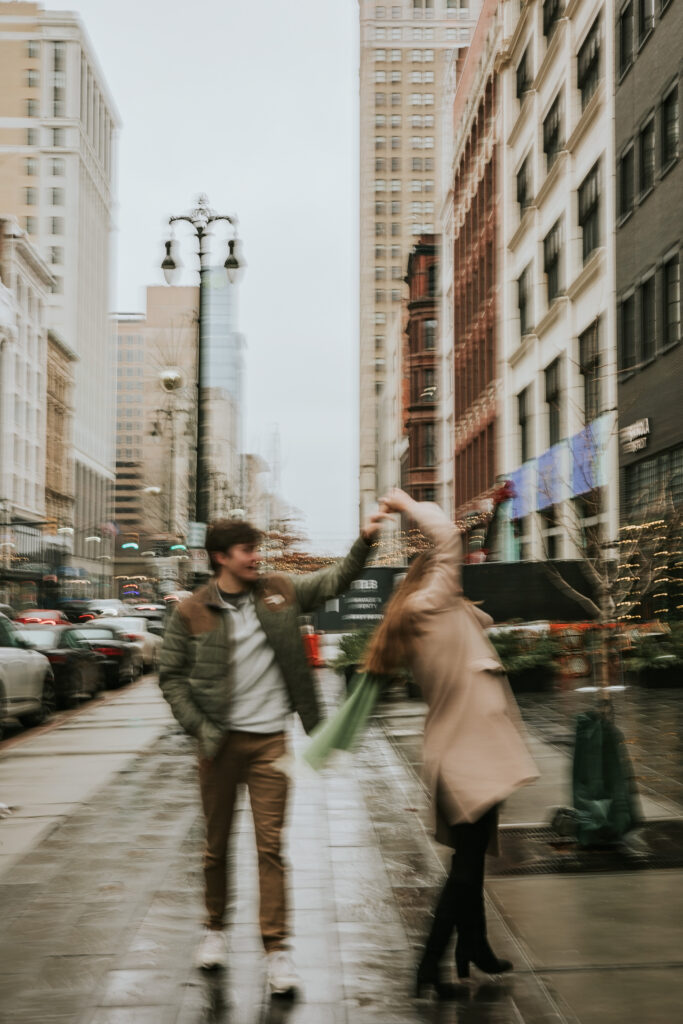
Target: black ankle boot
(476, 950)
(428, 979)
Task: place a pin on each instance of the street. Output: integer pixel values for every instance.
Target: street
(101, 888)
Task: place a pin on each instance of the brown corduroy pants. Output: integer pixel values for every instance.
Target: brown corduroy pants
(246, 758)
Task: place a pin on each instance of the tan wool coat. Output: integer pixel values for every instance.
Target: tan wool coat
(475, 754)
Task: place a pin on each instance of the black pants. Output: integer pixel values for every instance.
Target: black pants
(461, 903)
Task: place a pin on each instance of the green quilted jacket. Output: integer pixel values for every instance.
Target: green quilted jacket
(196, 656)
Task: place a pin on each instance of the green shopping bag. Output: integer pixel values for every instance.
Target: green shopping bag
(341, 730)
(602, 781)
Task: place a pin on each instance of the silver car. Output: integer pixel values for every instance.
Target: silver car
(27, 689)
(136, 629)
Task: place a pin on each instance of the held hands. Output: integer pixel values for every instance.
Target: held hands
(372, 527)
(396, 500)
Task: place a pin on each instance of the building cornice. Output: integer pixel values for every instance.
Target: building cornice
(594, 267)
(551, 53)
(525, 109)
(558, 306)
(523, 226)
(26, 251)
(527, 343)
(551, 178)
(56, 339)
(589, 115)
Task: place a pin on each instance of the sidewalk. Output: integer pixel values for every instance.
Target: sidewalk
(102, 914)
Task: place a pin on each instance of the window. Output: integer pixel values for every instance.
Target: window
(416, 166)
(395, 252)
(30, 196)
(646, 157)
(646, 19)
(395, 76)
(552, 12)
(627, 338)
(33, 48)
(524, 301)
(648, 327)
(380, 185)
(30, 225)
(589, 210)
(380, 209)
(416, 142)
(58, 56)
(395, 228)
(428, 445)
(553, 400)
(31, 136)
(380, 99)
(380, 295)
(32, 108)
(395, 120)
(671, 282)
(32, 78)
(416, 56)
(428, 56)
(380, 56)
(524, 79)
(552, 131)
(380, 273)
(552, 249)
(380, 318)
(589, 361)
(524, 196)
(396, 12)
(56, 196)
(380, 120)
(379, 12)
(58, 137)
(523, 416)
(626, 183)
(416, 99)
(625, 36)
(380, 252)
(428, 185)
(57, 287)
(429, 163)
(380, 164)
(380, 229)
(396, 142)
(396, 99)
(428, 99)
(669, 119)
(588, 63)
(396, 274)
(395, 185)
(380, 141)
(30, 167)
(416, 76)
(396, 55)
(56, 255)
(396, 206)
(429, 335)
(380, 76)
(396, 295)
(428, 143)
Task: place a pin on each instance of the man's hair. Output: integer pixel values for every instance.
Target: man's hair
(222, 534)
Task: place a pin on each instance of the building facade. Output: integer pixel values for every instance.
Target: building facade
(405, 50)
(557, 440)
(649, 231)
(420, 462)
(57, 143)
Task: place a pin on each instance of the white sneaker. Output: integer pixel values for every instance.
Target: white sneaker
(212, 951)
(282, 976)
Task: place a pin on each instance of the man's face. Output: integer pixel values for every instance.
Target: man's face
(241, 560)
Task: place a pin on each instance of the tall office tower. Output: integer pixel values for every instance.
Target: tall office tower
(57, 140)
(405, 51)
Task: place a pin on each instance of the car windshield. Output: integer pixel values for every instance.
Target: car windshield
(43, 639)
(96, 634)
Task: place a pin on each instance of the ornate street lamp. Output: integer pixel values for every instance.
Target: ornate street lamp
(201, 219)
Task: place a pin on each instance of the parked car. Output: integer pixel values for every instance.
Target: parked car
(107, 606)
(8, 610)
(27, 689)
(48, 616)
(122, 658)
(76, 608)
(137, 629)
(77, 669)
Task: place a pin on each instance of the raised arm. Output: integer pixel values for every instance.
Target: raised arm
(443, 578)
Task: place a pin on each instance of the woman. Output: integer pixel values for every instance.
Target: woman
(474, 752)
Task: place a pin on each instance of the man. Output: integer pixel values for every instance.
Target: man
(232, 668)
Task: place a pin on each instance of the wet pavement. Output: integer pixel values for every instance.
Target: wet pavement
(102, 910)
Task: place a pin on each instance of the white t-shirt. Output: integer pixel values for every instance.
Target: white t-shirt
(259, 701)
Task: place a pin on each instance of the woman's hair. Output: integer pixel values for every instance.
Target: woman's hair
(391, 644)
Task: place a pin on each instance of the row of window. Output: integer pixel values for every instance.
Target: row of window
(635, 24)
(56, 167)
(638, 163)
(417, 99)
(451, 34)
(381, 273)
(53, 196)
(396, 229)
(588, 60)
(381, 295)
(395, 56)
(396, 141)
(416, 185)
(422, 77)
(56, 137)
(53, 225)
(649, 317)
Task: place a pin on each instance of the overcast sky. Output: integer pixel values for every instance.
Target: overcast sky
(254, 103)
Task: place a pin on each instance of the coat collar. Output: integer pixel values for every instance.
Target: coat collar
(208, 594)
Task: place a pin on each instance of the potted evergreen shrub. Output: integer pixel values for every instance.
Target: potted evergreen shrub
(528, 658)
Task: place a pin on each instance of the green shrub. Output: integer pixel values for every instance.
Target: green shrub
(522, 651)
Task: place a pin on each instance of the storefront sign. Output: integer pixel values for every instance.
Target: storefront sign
(634, 437)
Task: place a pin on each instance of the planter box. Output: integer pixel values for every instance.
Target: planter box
(532, 680)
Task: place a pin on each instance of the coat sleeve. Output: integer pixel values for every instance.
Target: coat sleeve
(316, 587)
(175, 663)
(443, 579)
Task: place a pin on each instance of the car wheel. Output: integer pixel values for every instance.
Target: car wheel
(48, 704)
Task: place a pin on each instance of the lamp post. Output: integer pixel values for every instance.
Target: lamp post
(201, 219)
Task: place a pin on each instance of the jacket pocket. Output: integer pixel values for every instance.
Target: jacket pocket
(487, 665)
